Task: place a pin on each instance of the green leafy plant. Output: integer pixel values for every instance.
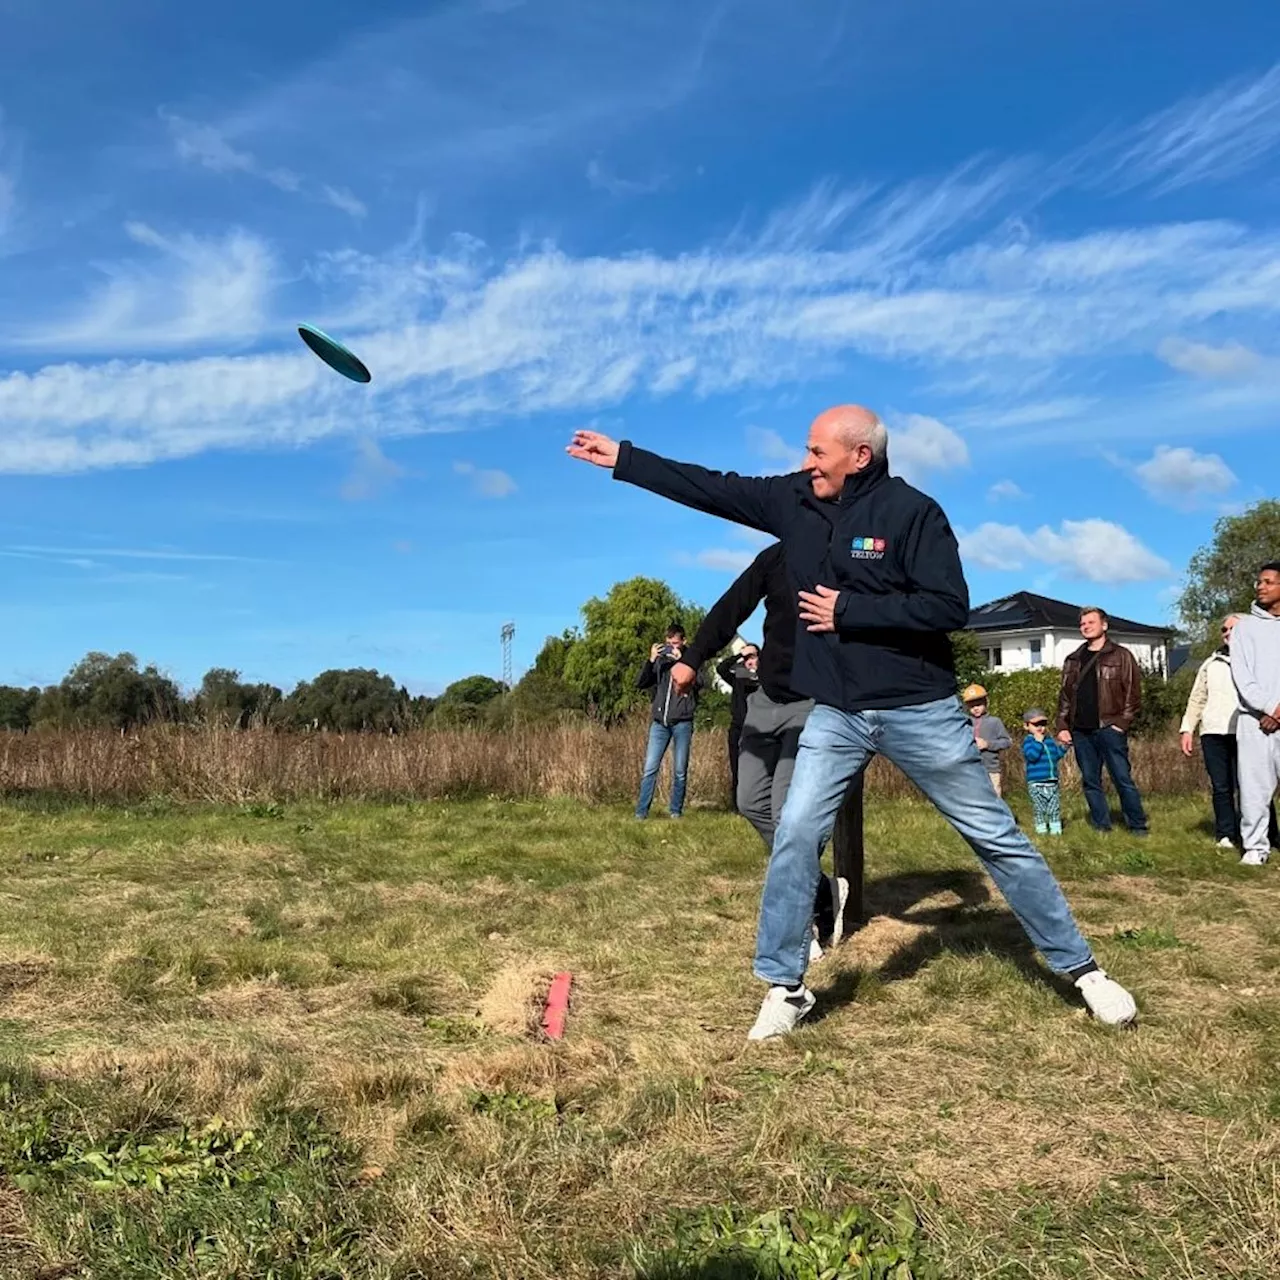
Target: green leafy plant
(506, 1103)
(793, 1244)
(34, 1154)
(1148, 937)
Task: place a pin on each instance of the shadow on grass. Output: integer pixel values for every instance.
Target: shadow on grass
(955, 928)
(715, 1269)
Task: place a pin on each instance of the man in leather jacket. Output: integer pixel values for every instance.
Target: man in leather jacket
(1099, 700)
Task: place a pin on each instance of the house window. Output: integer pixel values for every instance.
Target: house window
(994, 657)
(1035, 653)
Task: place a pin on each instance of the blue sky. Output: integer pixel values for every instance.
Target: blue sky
(1043, 241)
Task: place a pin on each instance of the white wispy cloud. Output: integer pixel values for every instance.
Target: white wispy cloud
(920, 447)
(8, 180)
(931, 275)
(92, 554)
(1033, 413)
(472, 338)
(615, 185)
(1212, 138)
(1202, 360)
(1183, 478)
(769, 446)
(1093, 550)
(188, 291)
(557, 78)
(371, 474)
(342, 199)
(206, 146)
(486, 482)
(721, 559)
(209, 147)
(1005, 491)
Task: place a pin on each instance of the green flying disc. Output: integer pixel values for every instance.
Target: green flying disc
(334, 354)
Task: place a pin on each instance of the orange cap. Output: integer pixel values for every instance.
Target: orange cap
(974, 693)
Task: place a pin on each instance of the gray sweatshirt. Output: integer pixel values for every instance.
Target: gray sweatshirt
(1255, 662)
(992, 731)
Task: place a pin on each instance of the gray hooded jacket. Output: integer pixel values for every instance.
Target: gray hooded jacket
(1255, 662)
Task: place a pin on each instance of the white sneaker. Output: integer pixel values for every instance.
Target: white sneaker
(1226, 843)
(780, 1013)
(1254, 858)
(1108, 1001)
(839, 898)
(815, 948)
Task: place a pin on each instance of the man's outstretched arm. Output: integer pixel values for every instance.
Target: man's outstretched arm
(760, 502)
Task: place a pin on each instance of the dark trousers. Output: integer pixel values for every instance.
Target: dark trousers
(1220, 764)
(735, 740)
(1094, 748)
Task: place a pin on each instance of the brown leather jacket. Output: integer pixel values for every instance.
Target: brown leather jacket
(1119, 686)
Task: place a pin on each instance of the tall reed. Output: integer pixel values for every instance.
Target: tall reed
(582, 762)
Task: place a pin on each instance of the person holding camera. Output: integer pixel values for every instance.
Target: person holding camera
(671, 722)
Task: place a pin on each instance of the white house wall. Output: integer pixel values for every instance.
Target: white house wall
(1015, 648)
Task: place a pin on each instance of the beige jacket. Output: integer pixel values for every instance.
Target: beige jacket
(1214, 704)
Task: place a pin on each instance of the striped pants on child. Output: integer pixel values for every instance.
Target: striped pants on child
(1047, 806)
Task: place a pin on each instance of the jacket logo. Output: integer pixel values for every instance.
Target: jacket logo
(867, 548)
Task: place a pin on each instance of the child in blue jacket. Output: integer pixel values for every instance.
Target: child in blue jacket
(1043, 754)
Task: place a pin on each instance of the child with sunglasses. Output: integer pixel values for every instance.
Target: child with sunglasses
(1043, 754)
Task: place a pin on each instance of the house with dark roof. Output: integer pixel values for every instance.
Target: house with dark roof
(1024, 631)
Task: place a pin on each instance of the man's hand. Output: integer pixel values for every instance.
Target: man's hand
(682, 677)
(818, 609)
(654, 650)
(1187, 745)
(1064, 737)
(591, 446)
(1269, 724)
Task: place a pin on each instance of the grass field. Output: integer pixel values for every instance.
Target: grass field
(300, 1042)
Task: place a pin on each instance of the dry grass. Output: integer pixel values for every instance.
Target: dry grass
(376, 971)
(579, 762)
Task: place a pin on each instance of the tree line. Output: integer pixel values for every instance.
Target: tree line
(587, 671)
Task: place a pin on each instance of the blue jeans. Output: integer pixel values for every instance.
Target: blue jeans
(660, 737)
(1095, 747)
(933, 745)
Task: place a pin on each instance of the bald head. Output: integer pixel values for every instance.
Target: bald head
(852, 425)
(843, 440)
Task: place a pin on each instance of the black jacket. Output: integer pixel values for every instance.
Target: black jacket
(886, 547)
(765, 578)
(669, 707)
(741, 683)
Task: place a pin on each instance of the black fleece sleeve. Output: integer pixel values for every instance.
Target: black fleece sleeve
(938, 599)
(760, 502)
(730, 611)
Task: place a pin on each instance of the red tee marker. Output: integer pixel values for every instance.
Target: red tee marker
(557, 1006)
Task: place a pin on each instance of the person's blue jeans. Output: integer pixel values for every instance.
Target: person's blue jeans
(679, 736)
(1094, 748)
(933, 745)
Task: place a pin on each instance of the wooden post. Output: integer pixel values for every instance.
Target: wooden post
(847, 851)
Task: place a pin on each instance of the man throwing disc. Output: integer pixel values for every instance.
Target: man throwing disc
(879, 587)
